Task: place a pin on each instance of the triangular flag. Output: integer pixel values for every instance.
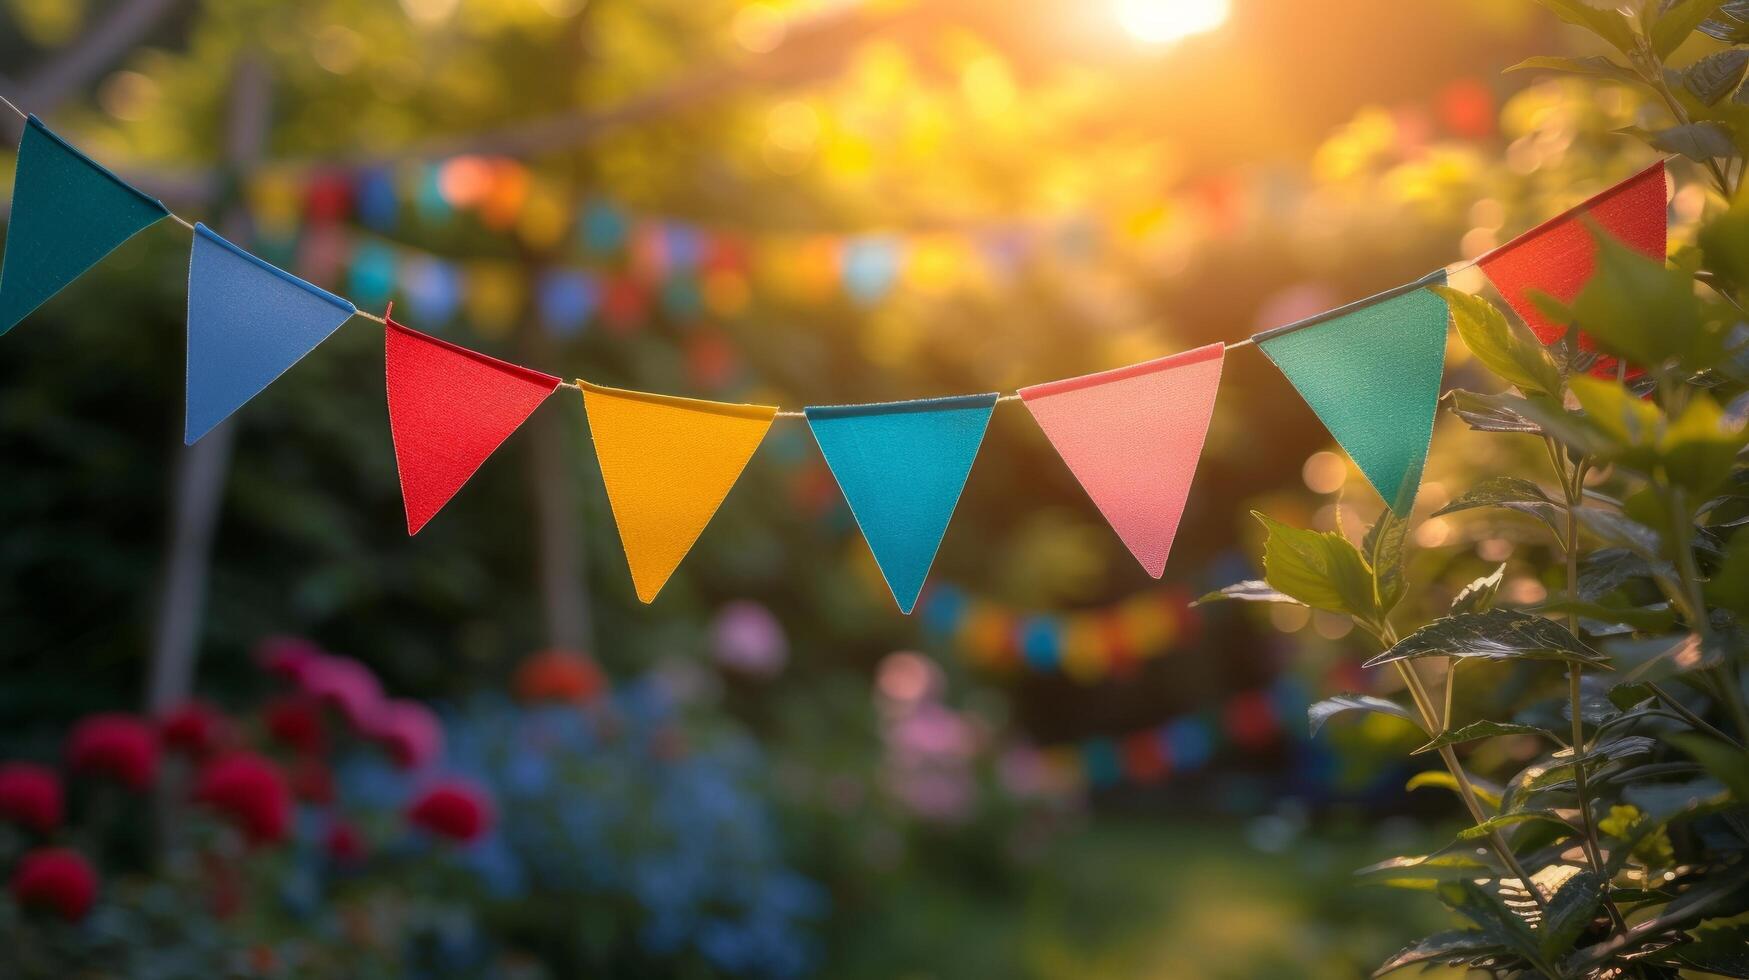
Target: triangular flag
(901, 466)
(1132, 437)
(1558, 256)
(1371, 370)
(668, 463)
(247, 323)
(449, 408)
(67, 214)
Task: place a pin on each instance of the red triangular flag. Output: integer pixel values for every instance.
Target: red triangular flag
(449, 408)
(1558, 256)
(1132, 436)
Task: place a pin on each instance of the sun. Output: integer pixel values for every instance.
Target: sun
(1161, 21)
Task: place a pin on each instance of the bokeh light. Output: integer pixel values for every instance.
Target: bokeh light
(1163, 21)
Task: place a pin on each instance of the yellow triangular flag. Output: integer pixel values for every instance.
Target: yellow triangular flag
(668, 463)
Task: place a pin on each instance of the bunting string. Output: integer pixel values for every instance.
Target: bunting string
(1131, 436)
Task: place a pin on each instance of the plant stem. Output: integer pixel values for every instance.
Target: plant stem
(1429, 716)
(1682, 528)
(1699, 723)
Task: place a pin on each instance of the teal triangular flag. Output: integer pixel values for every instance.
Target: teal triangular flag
(67, 214)
(1371, 370)
(901, 466)
(247, 323)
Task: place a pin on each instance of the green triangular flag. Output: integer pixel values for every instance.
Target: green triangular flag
(67, 214)
(1371, 370)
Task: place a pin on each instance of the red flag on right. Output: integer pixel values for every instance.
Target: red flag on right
(1558, 256)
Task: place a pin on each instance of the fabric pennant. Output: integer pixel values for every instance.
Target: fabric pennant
(449, 409)
(1558, 256)
(68, 212)
(248, 322)
(1371, 371)
(1132, 437)
(668, 463)
(901, 466)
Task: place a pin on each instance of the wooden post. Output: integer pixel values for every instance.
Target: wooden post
(201, 469)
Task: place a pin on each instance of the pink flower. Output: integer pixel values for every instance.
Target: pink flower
(30, 796)
(455, 810)
(409, 731)
(345, 685)
(251, 792)
(58, 879)
(120, 747)
(195, 728)
(286, 657)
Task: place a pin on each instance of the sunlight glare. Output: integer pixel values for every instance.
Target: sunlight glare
(1161, 21)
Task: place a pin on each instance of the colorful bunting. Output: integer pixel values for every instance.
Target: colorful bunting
(668, 463)
(901, 466)
(449, 409)
(1558, 256)
(248, 322)
(67, 214)
(1371, 370)
(1132, 437)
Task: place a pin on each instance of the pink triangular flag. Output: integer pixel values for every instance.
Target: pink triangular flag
(1132, 436)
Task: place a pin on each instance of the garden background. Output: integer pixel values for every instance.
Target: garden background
(769, 771)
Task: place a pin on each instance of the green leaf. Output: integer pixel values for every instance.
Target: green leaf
(1250, 590)
(1730, 765)
(1732, 24)
(1468, 862)
(1570, 910)
(1636, 307)
(1700, 142)
(1718, 949)
(1596, 65)
(1484, 729)
(1445, 780)
(1717, 75)
(1490, 413)
(1478, 596)
(1639, 620)
(1324, 710)
(1505, 820)
(1499, 923)
(1611, 25)
(1724, 242)
(1699, 447)
(1452, 948)
(1504, 346)
(1383, 549)
(1676, 22)
(1624, 532)
(1319, 568)
(1511, 493)
(1498, 634)
(1729, 586)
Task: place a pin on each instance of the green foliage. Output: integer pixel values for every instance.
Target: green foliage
(1645, 530)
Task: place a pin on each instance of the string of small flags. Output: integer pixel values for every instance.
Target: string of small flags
(1132, 435)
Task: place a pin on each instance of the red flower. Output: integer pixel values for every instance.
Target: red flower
(344, 843)
(251, 792)
(195, 728)
(121, 747)
(56, 878)
(455, 810)
(287, 656)
(297, 721)
(410, 731)
(30, 796)
(559, 675)
(345, 685)
(311, 780)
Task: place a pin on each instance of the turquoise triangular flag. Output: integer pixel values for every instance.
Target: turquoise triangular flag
(67, 214)
(901, 466)
(247, 323)
(1371, 370)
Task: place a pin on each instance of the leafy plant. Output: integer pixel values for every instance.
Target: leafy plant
(1622, 848)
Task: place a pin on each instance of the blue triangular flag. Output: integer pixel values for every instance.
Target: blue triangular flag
(247, 323)
(67, 214)
(901, 466)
